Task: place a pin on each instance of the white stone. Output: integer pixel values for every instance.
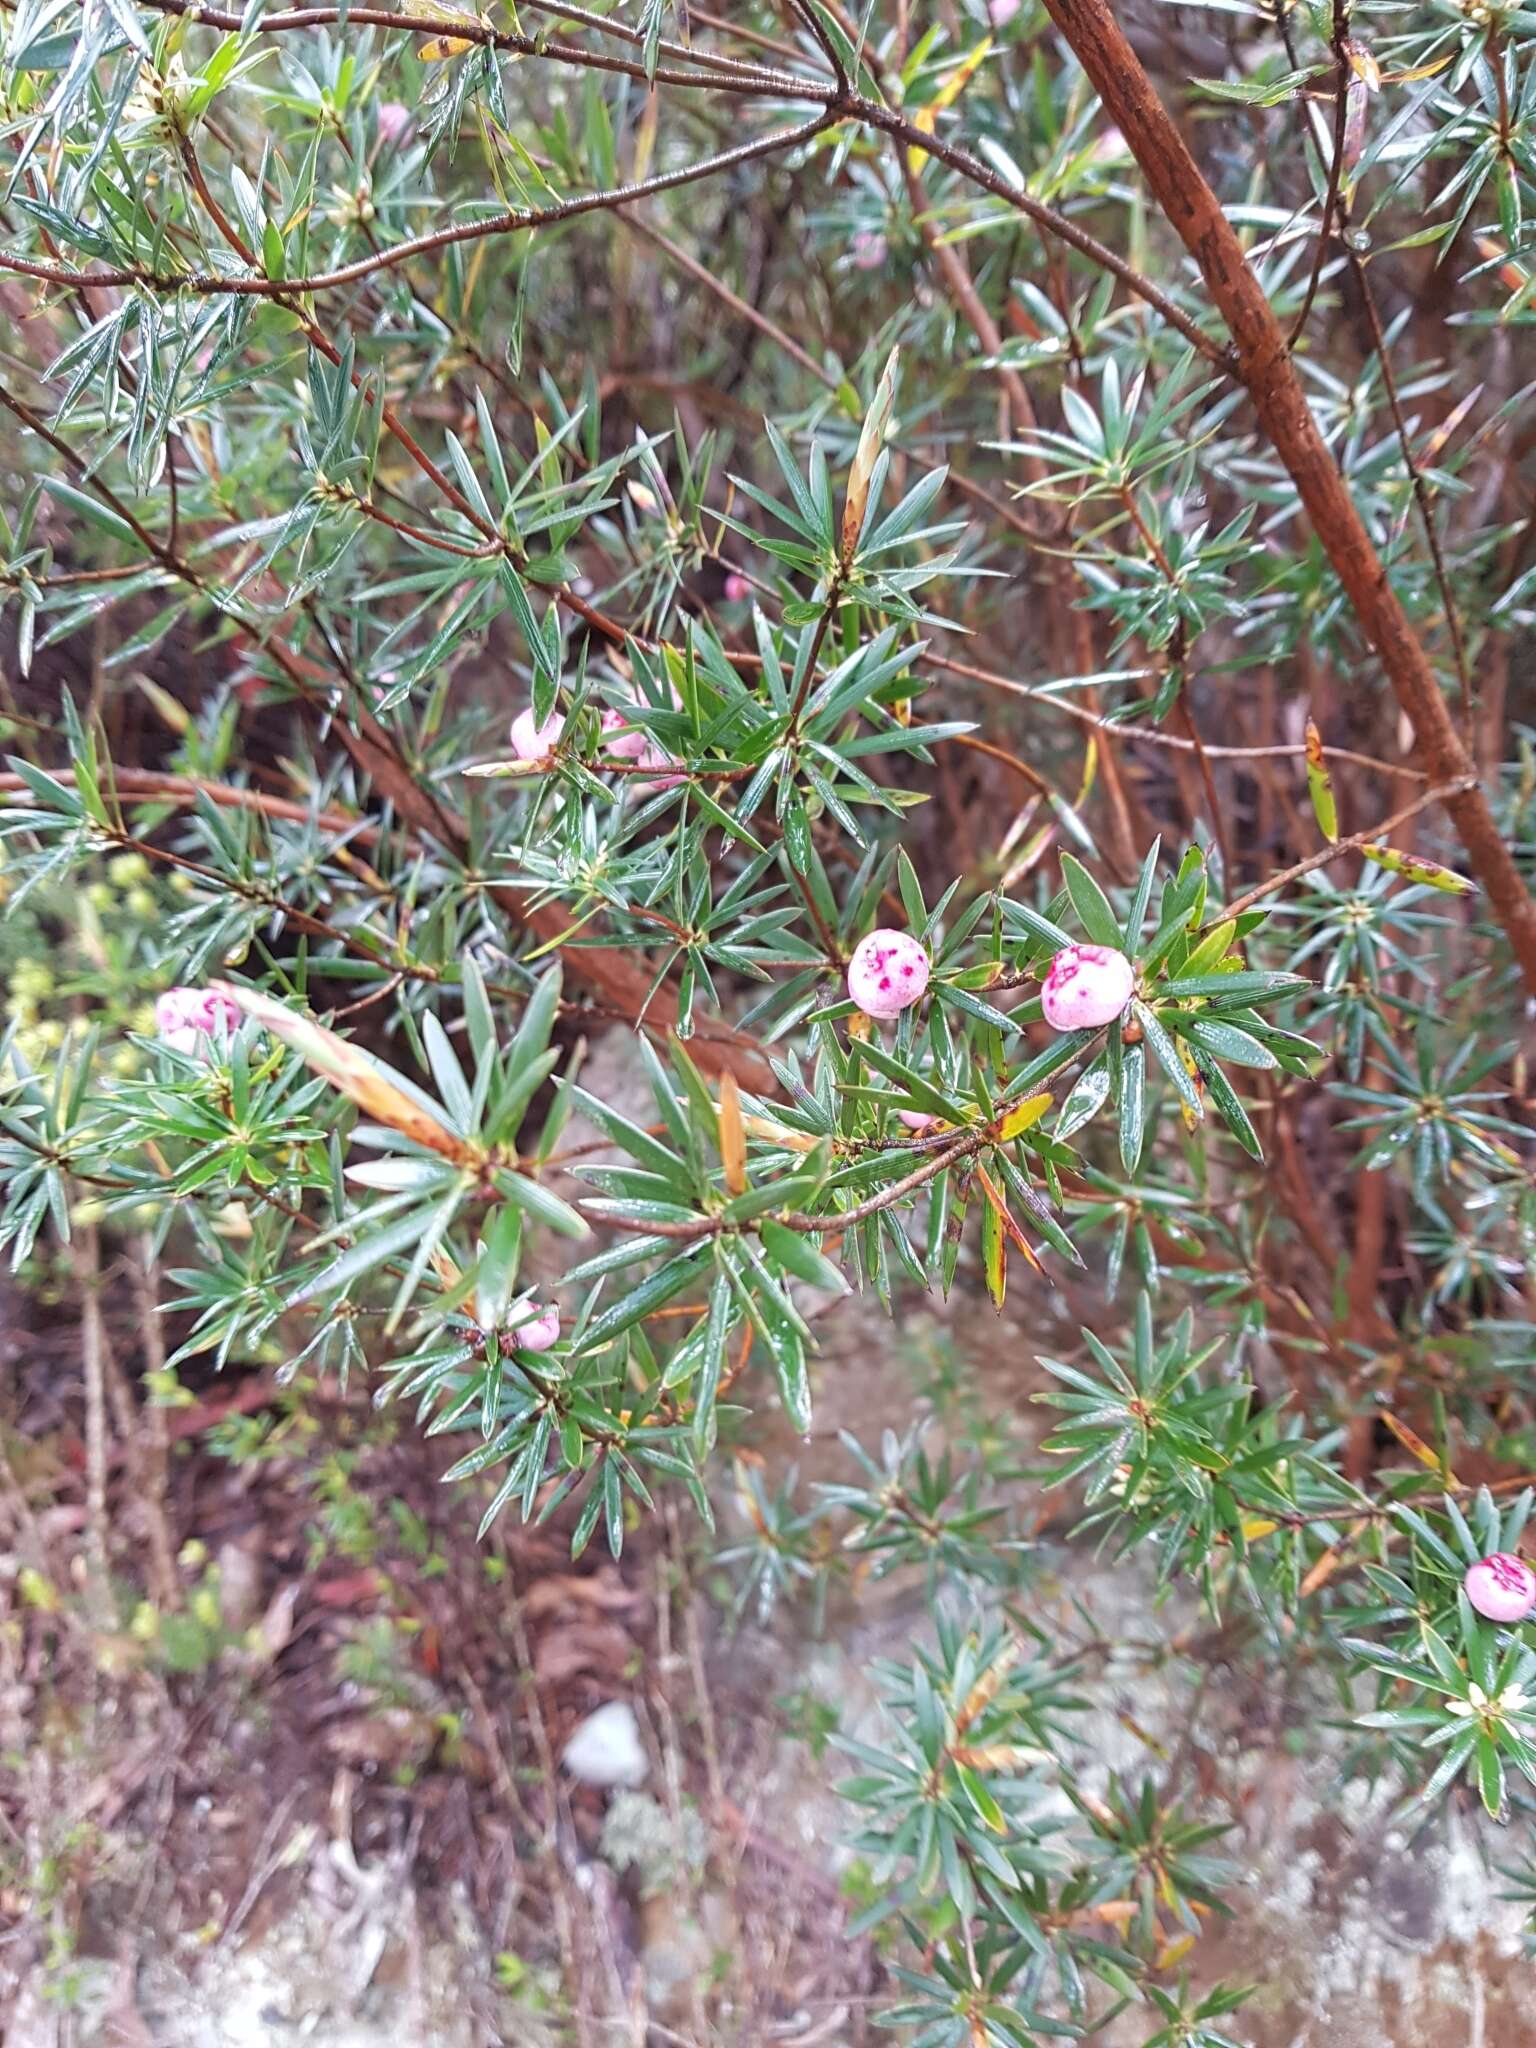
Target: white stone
(606, 1748)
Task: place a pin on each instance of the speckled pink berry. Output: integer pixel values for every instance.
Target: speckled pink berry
(540, 1329)
(395, 122)
(887, 974)
(1087, 986)
(1502, 1587)
(188, 1019)
(918, 1119)
(737, 588)
(870, 249)
(532, 741)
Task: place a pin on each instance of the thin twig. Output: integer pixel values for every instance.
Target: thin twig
(703, 275)
(516, 220)
(1335, 168)
(87, 1271)
(1050, 697)
(837, 103)
(141, 1262)
(1441, 793)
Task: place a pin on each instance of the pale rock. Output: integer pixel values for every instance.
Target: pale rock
(606, 1748)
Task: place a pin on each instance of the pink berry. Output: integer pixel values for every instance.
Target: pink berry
(887, 974)
(532, 741)
(869, 249)
(540, 1329)
(917, 1119)
(737, 588)
(1001, 12)
(395, 122)
(1086, 986)
(187, 1019)
(1502, 1587)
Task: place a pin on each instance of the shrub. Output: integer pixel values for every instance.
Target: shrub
(954, 528)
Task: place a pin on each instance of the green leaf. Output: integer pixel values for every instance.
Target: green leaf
(1091, 904)
(1133, 1108)
(1258, 92)
(1245, 987)
(787, 1345)
(961, 999)
(1041, 929)
(1085, 1100)
(994, 1253)
(1490, 1776)
(91, 509)
(631, 1138)
(1212, 948)
(371, 1249)
(1226, 1041)
(1414, 868)
(496, 1273)
(448, 1074)
(1136, 916)
(1228, 1108)
(797, 1255)
(981, 1799)
(541, 1203)
(654, 1291)
(717, 1332)
(538, 1021)
(848, 56)
(1167, 1054)
(1320, 785)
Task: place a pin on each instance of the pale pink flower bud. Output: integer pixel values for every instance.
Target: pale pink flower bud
(1086, 986)
(888, 973)
(869, 249)
(395, 122)
(1502, 1587)
(635, 745)
(621, 744)
(532, 741)
(540, 1329)
(188, 1018)
(917, 1119)
(737, 588)
(653, 756)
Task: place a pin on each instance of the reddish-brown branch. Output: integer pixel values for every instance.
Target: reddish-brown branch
(1265, 367)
